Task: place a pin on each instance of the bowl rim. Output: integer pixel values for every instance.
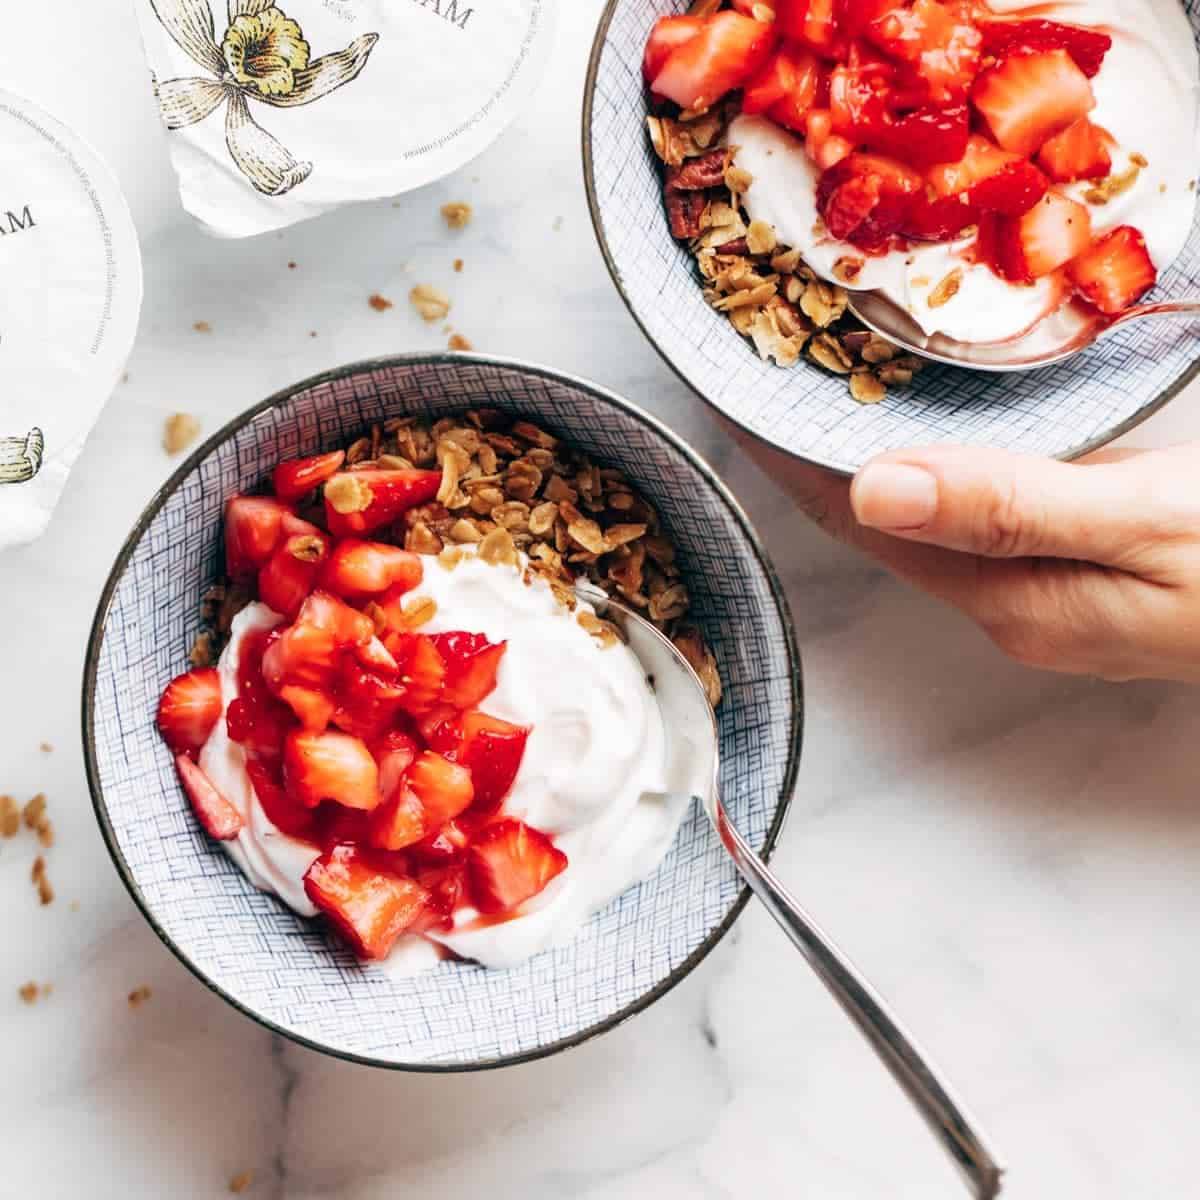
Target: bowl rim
(599, 40)
(232, 427)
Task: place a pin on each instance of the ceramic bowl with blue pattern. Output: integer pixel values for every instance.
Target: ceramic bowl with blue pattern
(286, 971)
(1063, 411)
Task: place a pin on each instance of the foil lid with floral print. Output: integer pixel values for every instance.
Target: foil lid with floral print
(278, 110)
(72, 291)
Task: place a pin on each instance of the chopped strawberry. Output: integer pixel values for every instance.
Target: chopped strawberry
(189, 708)
(444, 788)
(991, 179)
(291, 572)
(939, 218)
(219, 818)
(375, 656)
(445, 888)
(368, 704)
(298, 476)
(667, 34)
(865, 199)
(938, 39)
(369, 906)
(395, 753)
(357, 570)
(330, 766)
(861, 97)
(492, 751)
(445, 848)
(1050, 234)
(253, 527)
(508, 863)
(422, 670)
(472, 663)
(1115, 271)
(821, 144)
(756, 9)
(812, 22)
(347, 626)
(927, 136)
(786, 86)
(303, 654)
(1029, 98)
(256, 719)
(859, 15)
(441, 730)
(282, 811)
(832, 151)
(313, 708)
(1079, 152)
(393, 493)
(335, 825)
(399, 821)
(1086, 46)
(727, 51)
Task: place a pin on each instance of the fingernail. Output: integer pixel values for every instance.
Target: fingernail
(894, 496)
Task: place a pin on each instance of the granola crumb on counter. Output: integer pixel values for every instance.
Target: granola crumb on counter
(291, 266)
(179, 432)
(139, 996)
(458, 342)
(40, 880)
(457, 214)
(241, 1182)
(45, 747)
(34, 815)
(10, 817)
(430, 303)
(202, 327)
(312, 333)
(29, 992)
(458, 266)
(379, 303)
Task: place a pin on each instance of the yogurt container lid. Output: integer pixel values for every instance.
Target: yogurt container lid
(278, 110)
(69, 305)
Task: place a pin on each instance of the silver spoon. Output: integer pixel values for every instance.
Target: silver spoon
(1071, 329)
(690, 718)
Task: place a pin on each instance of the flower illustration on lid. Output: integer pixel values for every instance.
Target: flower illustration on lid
(263, 56)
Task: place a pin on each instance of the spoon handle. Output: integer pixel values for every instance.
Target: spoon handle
(911, 1069)
(1163, 308)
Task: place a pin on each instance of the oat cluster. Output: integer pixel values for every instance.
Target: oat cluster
(35, 818)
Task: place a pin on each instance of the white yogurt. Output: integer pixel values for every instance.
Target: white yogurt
(596, 764)
(1147, 96)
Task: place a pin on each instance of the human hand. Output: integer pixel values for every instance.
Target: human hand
(1090, 568)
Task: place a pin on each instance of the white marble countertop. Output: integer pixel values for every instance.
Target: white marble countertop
(1013, 856)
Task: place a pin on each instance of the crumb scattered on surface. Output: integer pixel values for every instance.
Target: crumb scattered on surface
(204, 650)
(34, 815)
(312, 333)
(29, 992)
(457, 214)
(139, 996)
(180, 431)
(379, 303)
(202, 327)
(291, 266)
(241, 1182)
(10, 817)
(45, 747)
(458, 265)
(40, 880)
(1139, 160)
(430, 303)
(458, 342)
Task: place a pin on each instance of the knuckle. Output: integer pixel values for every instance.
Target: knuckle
(1005, 525)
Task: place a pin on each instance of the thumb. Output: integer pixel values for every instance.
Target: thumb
(1002, 505)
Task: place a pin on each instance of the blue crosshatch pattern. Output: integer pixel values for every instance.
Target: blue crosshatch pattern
(285, 969)
(1061, 410)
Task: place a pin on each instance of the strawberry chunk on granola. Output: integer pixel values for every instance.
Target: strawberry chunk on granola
(358, 570)
(253, 527)
(291, 572)
(295, 478)
(472, 663)
(375, 497)
(509, 863)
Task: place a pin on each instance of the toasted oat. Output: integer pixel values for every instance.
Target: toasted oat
(498, 548)
(604, 632)
(348, 493)
(204, 651)
(785, 262)
(202, 327)
(430, 303)
(760, 237)
(40, 880)
(29, 992)
(848, 268)
(877, 350)
(418, 610)
(458, 342)
(1113, 185)
(827, 351)
(380, 303)
(763, 12)
(457, 214)
(241, 1182)
(45, 747)
(179, 432)
(139, 996)
(420, 539)
(866, 388)
(738, 180)
(700, 658)
(946, 290)
(1139, 160)
(823, 303)
(34, 815)
(10, 817)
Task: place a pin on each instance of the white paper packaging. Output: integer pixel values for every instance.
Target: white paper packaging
(278, 111)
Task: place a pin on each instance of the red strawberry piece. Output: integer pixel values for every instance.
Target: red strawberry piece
(1050, 234)
(861, 97)
(368, 704)
(445, 847)
(370, 907)
(812, 22)
(395, 752)
(444, 788)
(303, 654)
(219, 818)
(347, 626)
(399, 821)
(188, 709)
(1086, 46)
(330, 766)
(756, 8)
(291, 572)
(668, 34)
(865, 199)
(375, 656)
(939, 218)
(1079, 152)
(508, 863)
(1115, 271)
(790, 75)
(938, 40)
(821, 144)
(441, 730)
(728, 50)
(313, 708)
(991, 179)
(334, 825)
(859, 15)
(422, 670)
(282, 811)
(445, 888)
(927, 136)
(357, 570)
(253, 528)
(393, 493)
(1029, 98)
(298, 476)
(256, 719)
(472, 663)
(492, 751)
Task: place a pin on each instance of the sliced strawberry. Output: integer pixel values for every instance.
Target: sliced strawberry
(446, 847)
(219, 818)
(865, 199)
(330, 766)
(861, 97)
(508, 863)
(368, 704)
(335, 825)
(939, 41)
(253, 528)
(1079, 152)
(1029, 98)
(927, 136)
(788, 80)
(441, 730)
(991, 179)
(304, 654)
(347, 626)
(445, 888)
(282, 811)
(399, 821)
(189, 708)
(393, 493)
(298, 476)
(492, 751)
(472, 663)
(1115, 271)
(313, 708)
(727, 51)
(357, 570)
(444, 788)
(939, 218)
(422, 670)
(1050, 234)
(1086, 46)
(813, 23)
(256, 719)
(370, 907)
(291, 572)
(668, 34)
(395, 752)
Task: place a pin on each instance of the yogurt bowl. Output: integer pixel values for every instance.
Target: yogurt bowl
(561, 979)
